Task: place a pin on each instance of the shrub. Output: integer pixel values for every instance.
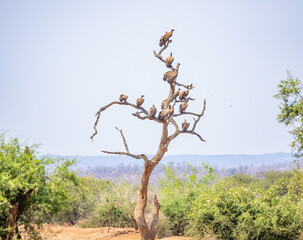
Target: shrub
(32, 189)
(112, 205)
(179, 190)
(251, 212)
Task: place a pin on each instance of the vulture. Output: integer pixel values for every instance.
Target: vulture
(183, 106)
(123, 98)
(163, 103)
(169, 60)
(184, 94)
(164, 39)
(167, 74)
(140, 101)
(170, 112)
(172, 76)
(185, 125)
(166, 114)
(152, 111)
(176, 94)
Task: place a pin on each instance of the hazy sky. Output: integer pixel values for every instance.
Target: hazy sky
(60, 61)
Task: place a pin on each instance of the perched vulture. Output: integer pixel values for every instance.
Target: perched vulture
(176, 94)
(183, 106)
(164, 39)
(167, 74)
(170, 112)
(172, 76)
(152, 111)
(165, 114)
(169, 60)
(123, 98)
(140, 101)
(163, 103)
(185, 125)
(184, 94)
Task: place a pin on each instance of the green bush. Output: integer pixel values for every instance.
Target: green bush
(32, 189)
(179, 190)
(251, 212)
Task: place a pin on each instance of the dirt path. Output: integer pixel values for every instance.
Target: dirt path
(51, 232)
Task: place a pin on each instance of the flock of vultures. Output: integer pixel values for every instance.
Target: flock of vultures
(170, 77)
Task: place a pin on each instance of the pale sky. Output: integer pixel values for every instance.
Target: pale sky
(60, 61)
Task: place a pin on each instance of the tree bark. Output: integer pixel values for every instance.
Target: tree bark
(12, 222)
(14, 214)
(139, 211)
(134, 221)
(146, 232)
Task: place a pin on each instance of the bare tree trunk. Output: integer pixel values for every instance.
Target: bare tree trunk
(139, 211)
(12, 222)
(146, 232)
(15, 211)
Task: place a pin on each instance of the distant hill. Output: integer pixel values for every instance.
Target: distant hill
(218, 161)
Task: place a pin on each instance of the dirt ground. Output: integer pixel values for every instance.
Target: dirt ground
(51, 232)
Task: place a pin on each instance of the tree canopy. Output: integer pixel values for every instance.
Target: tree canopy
(30, 184)
(291, 114)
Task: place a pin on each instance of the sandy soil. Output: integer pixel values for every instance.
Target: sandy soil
(76, 233)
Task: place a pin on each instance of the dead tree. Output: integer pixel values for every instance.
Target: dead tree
(166, 118)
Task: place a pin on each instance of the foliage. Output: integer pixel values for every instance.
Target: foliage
(291, 114)
(110, 204)
(37, 186)
(179, 190)
(234, 210)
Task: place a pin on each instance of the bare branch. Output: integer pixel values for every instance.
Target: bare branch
(186, 113)
(185, 86)
(153, 226)
(137, 114)
(123, 138)
(192, 131)
(107, 106)
(158, 55)
(175, 134)
(191, 113)
(202, 113)
(141, 156)
(187, 99)
(134, 221)
(175, 124)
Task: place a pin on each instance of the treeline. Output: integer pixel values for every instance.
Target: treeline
(132, 173)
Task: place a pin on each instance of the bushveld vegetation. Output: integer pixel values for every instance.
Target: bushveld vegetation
(194, 202)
